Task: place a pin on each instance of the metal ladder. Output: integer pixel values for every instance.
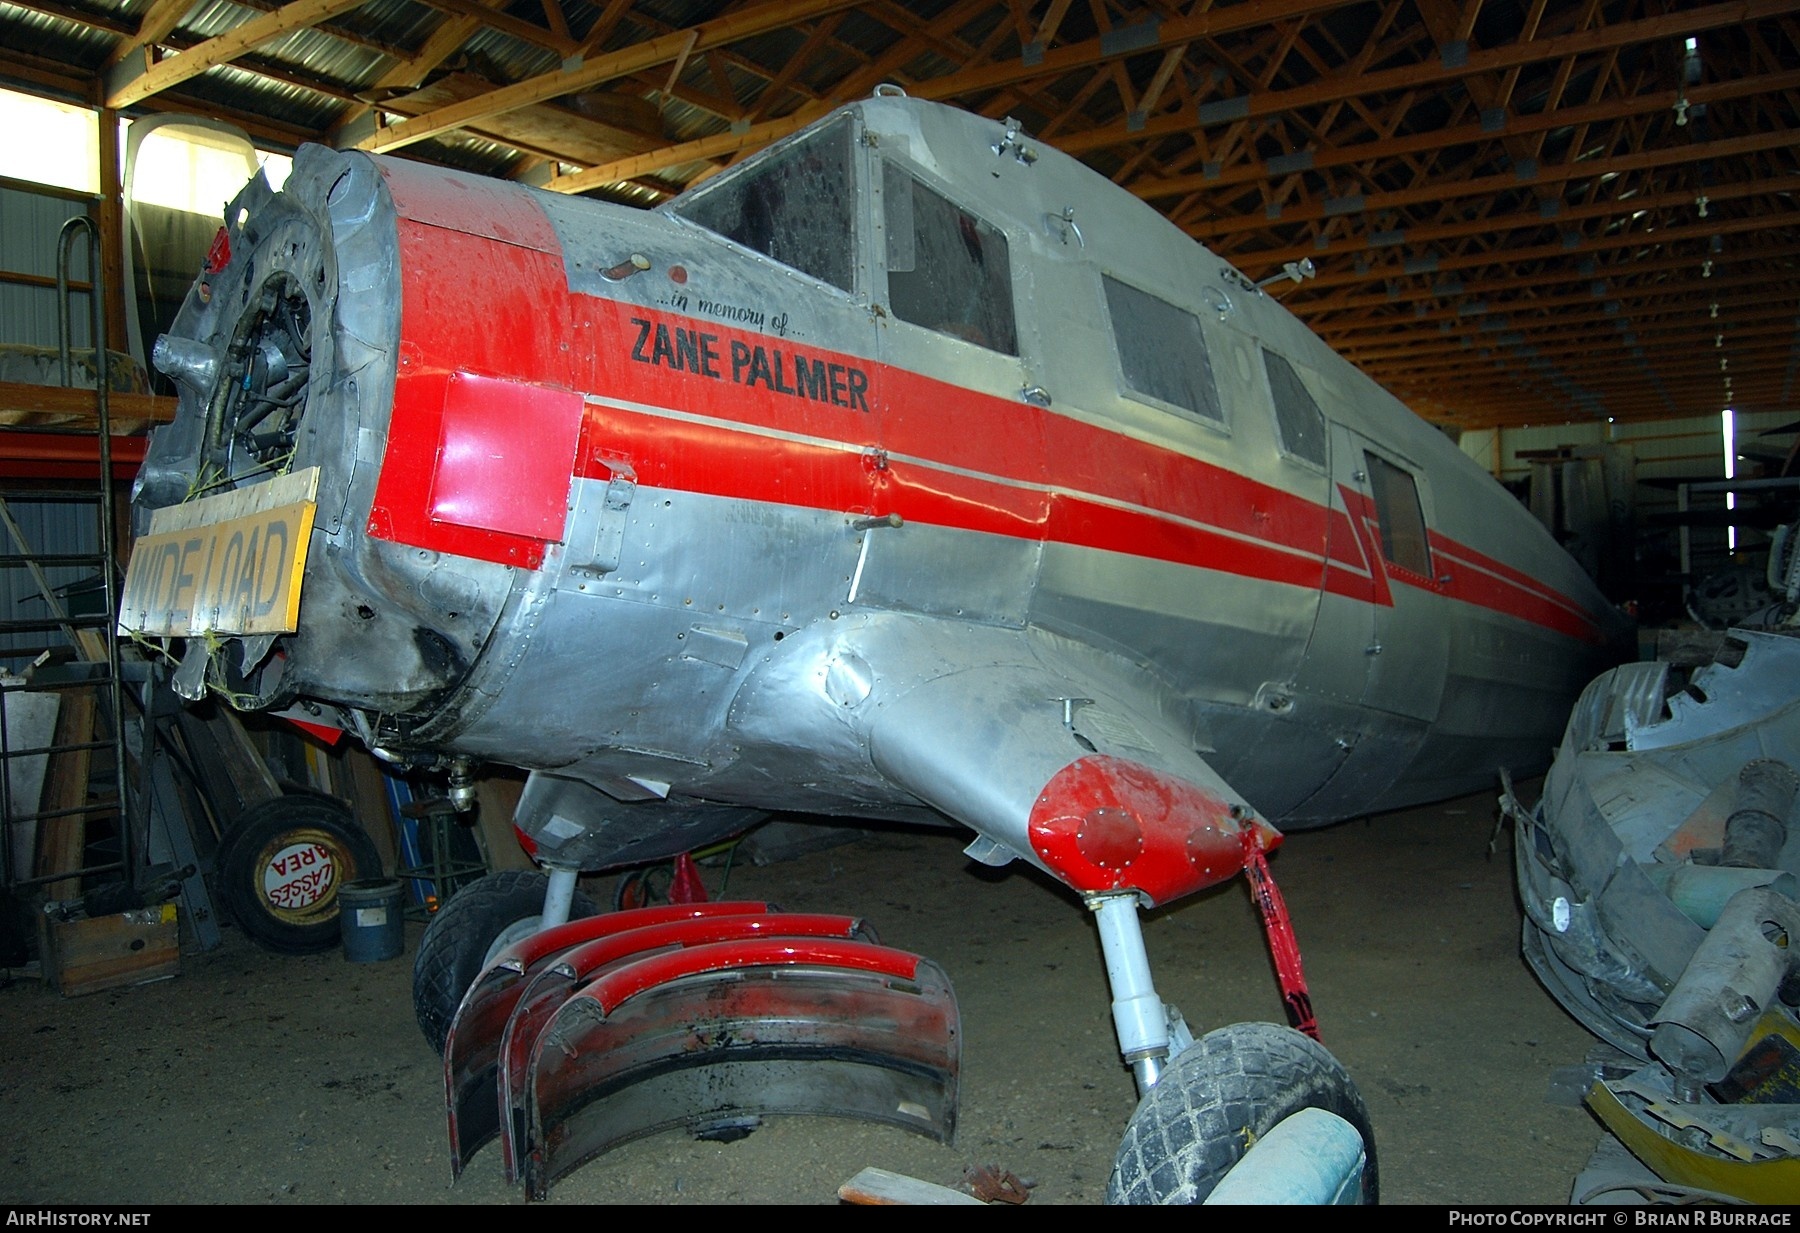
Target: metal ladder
(87, 697)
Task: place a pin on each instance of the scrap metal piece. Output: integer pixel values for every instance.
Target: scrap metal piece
(992, 1184)
(739, 1030)
(539, 1003)
(1681, 1118)
(472, 1049)
(1614, 865)
(1757, 827)
(1706, 1021)
(1688, 1157)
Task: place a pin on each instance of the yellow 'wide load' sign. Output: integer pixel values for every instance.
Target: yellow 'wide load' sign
(226, 564)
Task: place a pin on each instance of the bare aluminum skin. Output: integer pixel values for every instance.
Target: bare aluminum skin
(675, 648)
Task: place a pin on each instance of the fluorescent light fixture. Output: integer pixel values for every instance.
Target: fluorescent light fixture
(1728, 431)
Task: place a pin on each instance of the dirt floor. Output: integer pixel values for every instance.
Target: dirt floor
(254, 1078)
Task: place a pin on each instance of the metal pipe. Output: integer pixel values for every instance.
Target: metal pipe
(1707, 1018)
(558, 896)
(103, 417)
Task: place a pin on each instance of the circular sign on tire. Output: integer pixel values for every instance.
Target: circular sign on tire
(281, 867)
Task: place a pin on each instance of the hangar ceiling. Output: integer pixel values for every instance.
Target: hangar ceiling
(1519, 212)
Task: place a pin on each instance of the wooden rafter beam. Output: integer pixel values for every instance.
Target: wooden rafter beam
(132, 81)
(1443, 190)
(1056, 63)
(1520, 296)
(664, 49)
(724, 145)
(1412, 238)
(1387, 148)
(1233, 109)
(1552, 338)
(496, 18)
(158, 20)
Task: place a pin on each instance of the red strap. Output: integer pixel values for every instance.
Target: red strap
(1284, 947)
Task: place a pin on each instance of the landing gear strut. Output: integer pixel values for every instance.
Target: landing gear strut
(1203, 1104)
(1150, 1031)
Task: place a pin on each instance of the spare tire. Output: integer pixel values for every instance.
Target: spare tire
(282, 864)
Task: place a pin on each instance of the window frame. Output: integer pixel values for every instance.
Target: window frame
(1389, 529)
(1222, 422)
(906, 167)
(676, 208)
(1323, 464)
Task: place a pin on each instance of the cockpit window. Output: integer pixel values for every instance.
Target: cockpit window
(946, 269)
(795, 206)
(1162, 353)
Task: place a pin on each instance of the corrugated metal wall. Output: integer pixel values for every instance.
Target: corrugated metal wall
(29, 224)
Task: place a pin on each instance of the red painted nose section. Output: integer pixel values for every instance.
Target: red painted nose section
(1106, 824)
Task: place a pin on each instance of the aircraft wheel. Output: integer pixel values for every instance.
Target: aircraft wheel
(478, 922)
(1219, 1097)
(281, 866)
(641, 888)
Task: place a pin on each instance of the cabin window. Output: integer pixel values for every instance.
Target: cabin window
(1298, 420)
(795, 206)
(946, 269)
(1162, 353)
(1402, 520)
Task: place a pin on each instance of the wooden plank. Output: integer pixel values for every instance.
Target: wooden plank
(497, 791)
(880, 1188)
(231, 775)
(244, 762)
(20, 400)
(367, 794)
(62, 841)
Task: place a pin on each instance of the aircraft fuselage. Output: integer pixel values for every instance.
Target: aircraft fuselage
(693, 503)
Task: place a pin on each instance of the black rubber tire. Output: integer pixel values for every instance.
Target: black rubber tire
(457, 941)
(1220, 1096)
(293, 915)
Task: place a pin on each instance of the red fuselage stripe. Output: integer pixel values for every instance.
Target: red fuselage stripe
(772, 419)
